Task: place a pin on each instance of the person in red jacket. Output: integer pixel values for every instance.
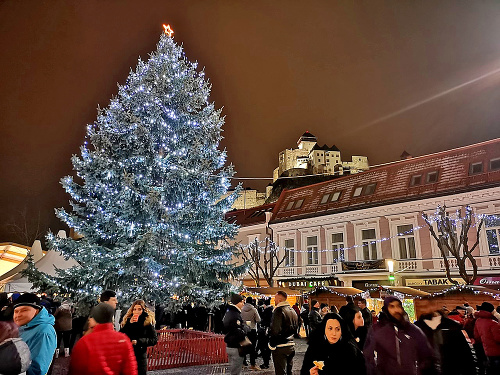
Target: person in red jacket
(487, 332)
(104, 351)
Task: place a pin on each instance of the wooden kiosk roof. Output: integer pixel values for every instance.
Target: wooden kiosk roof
(271, 291)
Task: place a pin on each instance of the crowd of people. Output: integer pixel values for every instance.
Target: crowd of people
(32, 330)
(356, 341)
(352, 340)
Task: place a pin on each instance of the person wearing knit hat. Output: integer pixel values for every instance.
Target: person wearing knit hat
(36, 328)
(103, 350)
(235, 331)
(236, 298)
(394, 346)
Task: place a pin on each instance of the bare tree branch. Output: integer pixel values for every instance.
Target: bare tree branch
(447, 240)
(264, 260)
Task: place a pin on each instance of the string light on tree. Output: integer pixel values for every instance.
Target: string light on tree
(148, 206)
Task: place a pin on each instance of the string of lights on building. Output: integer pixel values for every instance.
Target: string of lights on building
(264, 244)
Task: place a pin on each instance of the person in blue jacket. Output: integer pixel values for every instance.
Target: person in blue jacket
(36, 329)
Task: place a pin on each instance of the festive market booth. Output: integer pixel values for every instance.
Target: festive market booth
(449, 297)
(407, 295)
(269, 292)
(334, 295)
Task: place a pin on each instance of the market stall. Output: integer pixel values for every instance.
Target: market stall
(449, 297)
(334, 295)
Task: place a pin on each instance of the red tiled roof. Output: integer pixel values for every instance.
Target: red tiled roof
(249, 216)
(394, 182)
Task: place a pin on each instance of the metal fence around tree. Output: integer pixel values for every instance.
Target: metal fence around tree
(184, 347)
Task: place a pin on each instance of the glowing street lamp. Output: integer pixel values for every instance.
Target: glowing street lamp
(390, 267)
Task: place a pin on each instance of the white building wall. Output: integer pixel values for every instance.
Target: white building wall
(428, 262)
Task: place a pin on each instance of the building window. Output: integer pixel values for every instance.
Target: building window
(369, 244)
(299, 203)
(416, 180)
(368, 189)
(332, 197)
(494, 164)
(312, 250)
(357, 191)
(476, 168)
(289, 253)
(290, 205)
(493, 234)
(338, 246)
(432, 177)
(406, 242)
(335, 196)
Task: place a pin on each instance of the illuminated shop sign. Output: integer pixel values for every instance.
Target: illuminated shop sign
(432, 281)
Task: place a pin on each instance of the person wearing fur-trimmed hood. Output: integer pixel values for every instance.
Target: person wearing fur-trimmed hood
(139, 325)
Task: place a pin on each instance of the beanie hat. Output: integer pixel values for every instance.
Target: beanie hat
(102, 313)
(236, 298)
(28, 299)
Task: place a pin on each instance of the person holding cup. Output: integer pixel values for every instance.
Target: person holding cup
(139, 325)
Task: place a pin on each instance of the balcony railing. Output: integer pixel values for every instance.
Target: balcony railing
(408, 265)
(494, 261)
(313, 270)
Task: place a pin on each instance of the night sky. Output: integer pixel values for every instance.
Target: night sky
(336, 68)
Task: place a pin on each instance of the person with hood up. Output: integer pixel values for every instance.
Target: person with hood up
(251, 317)
(314, 316)
(453, 352)
(36, 328)
(394, 346)
(235, 331)
(353, 318)
(487, 333)
(332, 350)
(139, 325)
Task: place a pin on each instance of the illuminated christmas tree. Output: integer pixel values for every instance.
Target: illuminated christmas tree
(146, 199)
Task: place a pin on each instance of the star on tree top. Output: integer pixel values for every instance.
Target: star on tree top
(168, 30)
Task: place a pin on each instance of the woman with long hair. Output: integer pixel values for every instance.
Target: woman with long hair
(333, 350)
(353, 318)
(139, 325)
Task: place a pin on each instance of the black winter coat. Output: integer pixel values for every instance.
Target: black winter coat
(343, 357)
(314, 319)
(284, 324)
(454, 354)
(143, 331)
(235, 328)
